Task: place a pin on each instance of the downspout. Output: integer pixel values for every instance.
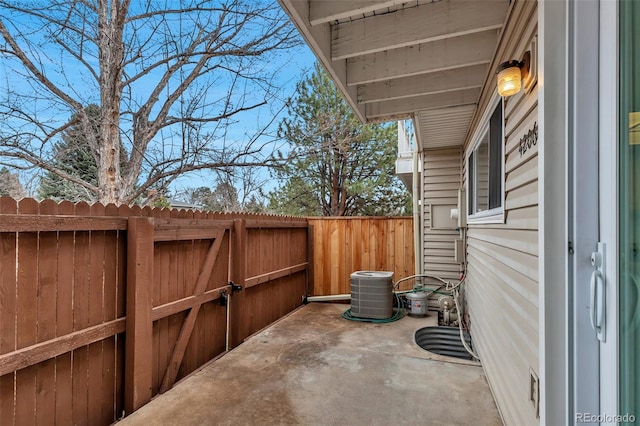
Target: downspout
(417, 223)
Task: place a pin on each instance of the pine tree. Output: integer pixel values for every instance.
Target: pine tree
(73, 155)
(336, 166)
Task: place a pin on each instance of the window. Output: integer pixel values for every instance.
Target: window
(484, 167)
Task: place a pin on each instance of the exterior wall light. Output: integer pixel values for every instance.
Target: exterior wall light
(511, 74)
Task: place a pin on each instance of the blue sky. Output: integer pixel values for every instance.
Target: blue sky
(294, 65)
(290, 66)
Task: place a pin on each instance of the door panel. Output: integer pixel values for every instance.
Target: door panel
(629, 209)
(608, 195)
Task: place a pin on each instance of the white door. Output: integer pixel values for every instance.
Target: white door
(605, 146)
(593, 215)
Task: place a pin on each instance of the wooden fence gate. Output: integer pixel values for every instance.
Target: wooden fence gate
(208, 299)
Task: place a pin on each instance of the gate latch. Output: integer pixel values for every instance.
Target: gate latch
(223, 297)
(234, 287)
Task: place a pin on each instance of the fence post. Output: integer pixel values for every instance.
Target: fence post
(139, 328)
(237, 317)
(310, 259)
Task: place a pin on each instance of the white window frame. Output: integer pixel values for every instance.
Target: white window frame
(495, 215)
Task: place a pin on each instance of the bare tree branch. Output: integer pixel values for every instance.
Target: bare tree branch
(169, 82)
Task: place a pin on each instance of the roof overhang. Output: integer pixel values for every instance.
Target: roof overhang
(396, 59)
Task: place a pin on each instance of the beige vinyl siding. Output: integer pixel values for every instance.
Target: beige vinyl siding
(502, 259)
(441, 181)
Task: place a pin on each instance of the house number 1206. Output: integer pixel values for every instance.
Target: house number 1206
(529, 139)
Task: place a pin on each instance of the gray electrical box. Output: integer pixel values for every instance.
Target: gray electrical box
(462, 208)
(459, 251)
(372, 294)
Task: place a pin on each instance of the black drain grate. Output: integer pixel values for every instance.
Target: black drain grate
(443, 341)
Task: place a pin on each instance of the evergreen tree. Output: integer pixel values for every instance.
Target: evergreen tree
(337, 166)
(74, 156)
(224, 198)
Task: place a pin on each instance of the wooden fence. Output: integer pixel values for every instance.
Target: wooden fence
(103, 307)
(342, 245)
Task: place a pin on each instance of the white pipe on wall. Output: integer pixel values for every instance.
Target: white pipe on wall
(417, 225)
(330, 298)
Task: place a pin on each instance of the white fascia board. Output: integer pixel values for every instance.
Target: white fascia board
(421, 24)
(440, 55)
(439, 82)
(318, 39)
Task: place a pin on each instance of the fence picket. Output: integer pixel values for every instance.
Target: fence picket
(8, 248)
(109, 313)
(26, 316)
(64, 319)
(46, 301)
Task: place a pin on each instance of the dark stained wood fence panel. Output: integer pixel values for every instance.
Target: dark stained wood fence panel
(63, 301)
(8, 248)
(56, 269)
(268, 250)
(348, 244)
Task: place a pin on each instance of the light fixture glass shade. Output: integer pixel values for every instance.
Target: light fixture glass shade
(509, 81)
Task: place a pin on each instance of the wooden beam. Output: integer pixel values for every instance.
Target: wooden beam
(189, 229)
(139, 333)
(49, 349)
(464, 51)
(384, 110)
(176, 306)
(323, 11)
(37, 223)
(265, 223)
(411, 26)
(439, 82)
(190, 321)
(274, 275)
(186, 234)
(173, 223)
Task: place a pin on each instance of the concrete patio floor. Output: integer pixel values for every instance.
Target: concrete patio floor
(315, 368)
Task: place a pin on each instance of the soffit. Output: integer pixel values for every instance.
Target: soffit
(395, 59)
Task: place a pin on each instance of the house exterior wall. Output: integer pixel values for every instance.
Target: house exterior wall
(502, 259)
(441, 181)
